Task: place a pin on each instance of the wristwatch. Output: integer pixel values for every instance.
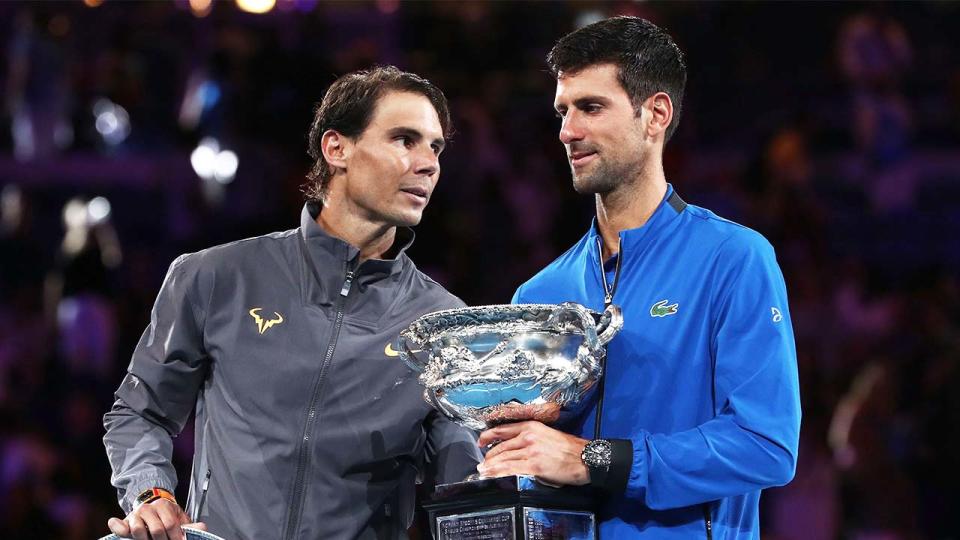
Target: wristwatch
(608, 461)
(597, 455)
(152, 494)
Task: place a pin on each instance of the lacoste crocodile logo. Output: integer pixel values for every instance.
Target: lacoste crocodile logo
(262, 324)
(661, 309)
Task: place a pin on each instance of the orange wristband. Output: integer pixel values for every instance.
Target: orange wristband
(152, 494)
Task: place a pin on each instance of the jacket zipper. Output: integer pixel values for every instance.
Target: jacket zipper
(608, 293)
(203, 495)
(303, 457)
(608, 290)
(707, 522)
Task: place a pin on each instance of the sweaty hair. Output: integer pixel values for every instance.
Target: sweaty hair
(348, 107)
(647, 59)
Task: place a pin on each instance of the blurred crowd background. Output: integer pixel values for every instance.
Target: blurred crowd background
(133, 132)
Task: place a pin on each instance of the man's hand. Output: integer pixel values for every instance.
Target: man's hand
(533, 448)
(157, 520)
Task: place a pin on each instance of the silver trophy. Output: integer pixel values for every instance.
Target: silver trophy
(488, 365)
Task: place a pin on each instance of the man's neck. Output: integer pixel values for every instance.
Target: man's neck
(372, 239)
(628, 207)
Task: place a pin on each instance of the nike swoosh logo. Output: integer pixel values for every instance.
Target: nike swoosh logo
(390, 351)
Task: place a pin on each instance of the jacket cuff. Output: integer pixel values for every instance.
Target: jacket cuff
(129, 499)
(637, 480)
(614, 479)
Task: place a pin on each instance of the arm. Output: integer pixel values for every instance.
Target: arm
(452, 451)
(158, 393)
(752, 441)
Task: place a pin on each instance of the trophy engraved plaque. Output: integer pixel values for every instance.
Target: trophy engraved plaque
(488, 365)
(485, 524)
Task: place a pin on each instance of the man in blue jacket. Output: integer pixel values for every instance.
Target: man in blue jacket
(701, 407)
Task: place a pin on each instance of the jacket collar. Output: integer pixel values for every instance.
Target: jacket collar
(634, 241)
(326, 251)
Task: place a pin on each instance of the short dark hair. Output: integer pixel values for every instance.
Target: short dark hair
(348, 107)
(647, 58)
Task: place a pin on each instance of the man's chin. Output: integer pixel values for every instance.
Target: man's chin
(598, 183)
(408, 219)
(583, 183)
(584, 186)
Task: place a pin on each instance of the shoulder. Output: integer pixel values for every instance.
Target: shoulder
(228, 255)
(737, 256)
(728, 238)
(202, 269)
(557, 273)
(427, 290)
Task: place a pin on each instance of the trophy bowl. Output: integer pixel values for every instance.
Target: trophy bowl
(487, 365)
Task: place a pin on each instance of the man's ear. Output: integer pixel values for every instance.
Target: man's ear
(661, 109)
(336, 149)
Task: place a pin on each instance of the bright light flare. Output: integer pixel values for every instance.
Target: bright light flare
(256, 6)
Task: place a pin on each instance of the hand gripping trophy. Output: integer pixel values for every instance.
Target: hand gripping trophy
(188, 533)
(488, 365)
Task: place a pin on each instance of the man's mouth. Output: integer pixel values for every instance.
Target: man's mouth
(417, 192)
(581, 158)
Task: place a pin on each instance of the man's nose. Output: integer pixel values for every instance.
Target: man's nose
(427, 162)
(570, 129)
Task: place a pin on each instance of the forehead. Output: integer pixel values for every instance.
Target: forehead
(595, 80)
(406, 109)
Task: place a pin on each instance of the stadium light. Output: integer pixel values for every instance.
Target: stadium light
(112, 121)
(212, 163)
(256, 6)
(98, 210)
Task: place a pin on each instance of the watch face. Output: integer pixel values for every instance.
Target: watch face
(145, 496)
(597, 453)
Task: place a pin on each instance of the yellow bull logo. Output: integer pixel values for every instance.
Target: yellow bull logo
(262, 324)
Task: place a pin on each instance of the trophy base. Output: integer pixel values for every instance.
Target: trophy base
(510, 508)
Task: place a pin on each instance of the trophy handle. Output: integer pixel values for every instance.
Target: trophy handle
(407, 348)
(586, 322)
(611, 322)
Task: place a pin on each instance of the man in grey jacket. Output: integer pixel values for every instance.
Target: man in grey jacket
(307, 424)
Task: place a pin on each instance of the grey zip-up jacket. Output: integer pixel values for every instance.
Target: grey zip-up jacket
(307, 425)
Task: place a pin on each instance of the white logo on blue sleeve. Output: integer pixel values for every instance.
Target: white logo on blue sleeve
(777, 316)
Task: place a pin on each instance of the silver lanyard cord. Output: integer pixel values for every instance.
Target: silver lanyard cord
(609, 291)
(607, 300)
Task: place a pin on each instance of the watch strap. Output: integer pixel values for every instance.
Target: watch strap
(613, 479)
(149, 495)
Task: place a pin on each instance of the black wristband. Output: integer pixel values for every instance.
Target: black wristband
(613, 480)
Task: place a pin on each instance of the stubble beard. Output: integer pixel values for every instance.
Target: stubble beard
(605, 177)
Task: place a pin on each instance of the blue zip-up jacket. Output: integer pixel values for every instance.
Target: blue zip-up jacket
(703, 377)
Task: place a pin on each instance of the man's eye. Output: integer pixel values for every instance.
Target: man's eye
(436, 149)
(592, 108)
